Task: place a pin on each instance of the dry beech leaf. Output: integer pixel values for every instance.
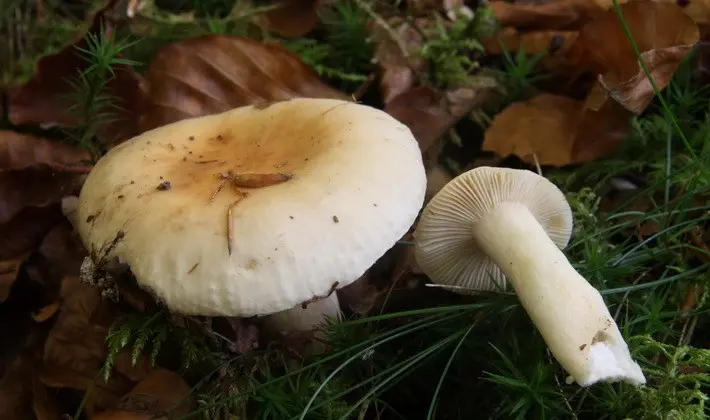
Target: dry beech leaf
(557, 129)
(16, 389)
(157, 394)
(21, 151)
(37, 187)
(75, 349)
(42, 100)
(63, 250)
(698, 10)
(556, 14)
(36, 172)
(215, 73)
(24, 232)
(555, 45)
(664, 36)
(44, 404)
(291, 18)
(395, 56)
(430, 113)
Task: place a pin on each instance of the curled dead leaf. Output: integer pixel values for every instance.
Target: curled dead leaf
(556, 14)
(663, 34)
(160, 393)
(291, 18)
(558, 130)
(43, 99)
(215, 73)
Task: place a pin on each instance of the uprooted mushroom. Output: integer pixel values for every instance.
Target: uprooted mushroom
(256, 211)
(492, 224)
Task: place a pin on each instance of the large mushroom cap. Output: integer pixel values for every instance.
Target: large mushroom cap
(446, 248)
(257, 209)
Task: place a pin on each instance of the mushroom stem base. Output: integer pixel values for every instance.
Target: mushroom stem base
(298, 319)
(569, 313)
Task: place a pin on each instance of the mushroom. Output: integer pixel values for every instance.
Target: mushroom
(257, 210)
(489, 224)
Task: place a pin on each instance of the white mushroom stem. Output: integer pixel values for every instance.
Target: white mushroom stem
(298, 319)
(570, 314)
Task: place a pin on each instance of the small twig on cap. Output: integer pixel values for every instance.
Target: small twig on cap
(214, 194)
(230, 229)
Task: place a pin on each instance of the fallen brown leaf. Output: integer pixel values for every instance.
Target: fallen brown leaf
(698, 10)
(558, 130)
(37, 187)
(555, 45)
(291, 19)
(21, 151)
(664, 36)
(215, 73)
(430, 113)
(63, 250)
(36, 172)
(16, 389)
(162, 392)
(24, 232)
(75, 349)
(42, 99)
(45, 406)
(395, 54)
(556, 14)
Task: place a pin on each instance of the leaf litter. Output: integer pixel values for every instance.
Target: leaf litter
(64, 342)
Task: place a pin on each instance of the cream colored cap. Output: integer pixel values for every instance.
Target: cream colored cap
(445, 246)
(257, 209)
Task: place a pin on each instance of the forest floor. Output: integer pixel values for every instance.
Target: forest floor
(558, 87)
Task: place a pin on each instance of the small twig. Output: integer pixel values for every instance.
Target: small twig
(214, 194)
(230, 229)
(363, 88)
(537, 164)
(332, 290)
